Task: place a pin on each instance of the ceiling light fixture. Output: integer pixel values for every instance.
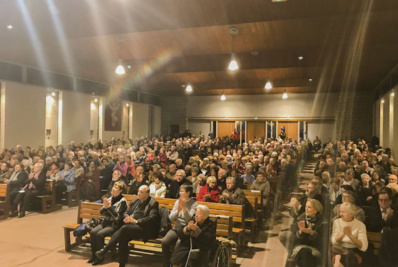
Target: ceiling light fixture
(10, 27)
(233, 65)
(223, 98)
(53, 93)
(127, 105)
(310, 79)
(120, 69)
(268, 85)
(392, 94)
(382, 101)
(129, 66)
(300, 58)
(188, 88)
(284, 96)
(96, 100)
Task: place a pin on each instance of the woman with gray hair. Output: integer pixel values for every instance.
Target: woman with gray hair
(200, 233)
(348, 236)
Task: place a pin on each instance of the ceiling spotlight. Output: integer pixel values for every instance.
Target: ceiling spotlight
(255, 118)
(268, 85)
(53, 93)
(127, 105)
(284, 96)
(310, 79)
(392, 94)
(129, 66)
(10, 27)
(382, 101)
(188, 89)
(300, 58)
(233, 65)
(96, 100)
(223, 98)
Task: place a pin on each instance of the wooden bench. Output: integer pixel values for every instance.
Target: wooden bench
(73, 197)
(4, 201)
(47, 200)
(375, 239)
(237, 212)
(88, 210)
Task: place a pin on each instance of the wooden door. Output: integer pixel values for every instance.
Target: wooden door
(225, 128)
(291, 128)
(255, 129)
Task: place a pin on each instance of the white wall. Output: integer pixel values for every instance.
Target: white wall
(199, 127)
(140, 119)
(75, 117)
(300, 106)
(23, 115)
(324, 130)
(94, 119)
(51, 119)
(157, 119)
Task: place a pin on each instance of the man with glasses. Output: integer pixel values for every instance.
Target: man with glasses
(382, 215)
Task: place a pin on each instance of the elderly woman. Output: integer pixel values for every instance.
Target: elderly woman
(349, 196)
(182, 212)
(158, 187)
(112, 212)
(307, 234)
(65, 181)
(263, 186)
(34, 186)
(348, 236)
(199, 234)
(210, 192)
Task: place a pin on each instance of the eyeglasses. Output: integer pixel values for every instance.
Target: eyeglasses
(384, 200)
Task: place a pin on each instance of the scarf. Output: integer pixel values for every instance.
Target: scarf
(14, 176)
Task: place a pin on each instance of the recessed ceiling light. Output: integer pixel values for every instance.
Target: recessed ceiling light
(300, 58)
(96, 100)
(127, 104)
(255, 118)
(10, 27)
(310, 79)
(392, 94)
(53, 93)
(382, 101)
(129, 66)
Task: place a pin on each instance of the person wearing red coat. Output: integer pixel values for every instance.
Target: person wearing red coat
(209, 192)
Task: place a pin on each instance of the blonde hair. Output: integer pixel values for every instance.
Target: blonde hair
(211, 179)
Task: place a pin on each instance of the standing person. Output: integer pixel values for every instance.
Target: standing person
(122, 166)
(112, 212)
(34, 187)
(141, 220)
(17, 179)
(183, 210)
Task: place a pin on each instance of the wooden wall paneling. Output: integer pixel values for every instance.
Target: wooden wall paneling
(225, 128)
(255, 129)
(291, 128)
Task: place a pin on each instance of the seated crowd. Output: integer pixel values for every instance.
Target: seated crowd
(353, 191)
(348, 179)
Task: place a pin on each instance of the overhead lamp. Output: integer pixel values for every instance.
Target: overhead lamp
(310, 80)
(268, 85)
(120, 69)
(392, 94)
(284, 96)
(223, 98)
(233, 65)
(382, 101)
(300, 58)
(127, 105)
(53, 93)
(10, 27)
(188, 88)
(96, 100)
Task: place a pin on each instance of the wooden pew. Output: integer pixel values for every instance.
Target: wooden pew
(4, 201)
(73, 197)
(375, 239)
(47, 200)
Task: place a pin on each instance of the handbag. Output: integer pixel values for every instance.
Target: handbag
(80, 231)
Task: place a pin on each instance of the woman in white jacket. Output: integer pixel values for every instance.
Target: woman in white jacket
(158, 187)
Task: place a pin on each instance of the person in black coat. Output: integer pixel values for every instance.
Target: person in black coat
(33, 187)
(142, 221)
(106, 169)
(202, 233)
(382, 215)
(17, 179)
(179, 179)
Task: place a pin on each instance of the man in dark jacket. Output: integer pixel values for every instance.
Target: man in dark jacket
(232, 194)
(179, 179)
(382, 215)
(142, 221)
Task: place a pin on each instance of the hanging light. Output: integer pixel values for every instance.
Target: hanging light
(188, 88)
(268, 85)
(223, 98)
(120, 69)
(233, 65)
(284, 96)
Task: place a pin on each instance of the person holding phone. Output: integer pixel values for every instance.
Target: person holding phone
(112, 212)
